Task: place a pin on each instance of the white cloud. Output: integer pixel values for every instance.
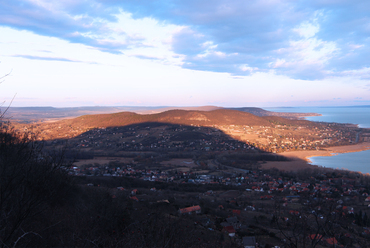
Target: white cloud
(355, 46)
(363, 73)
(307, 55)
(278, 63)
(307, 29)
(177, 48)
(248, 68)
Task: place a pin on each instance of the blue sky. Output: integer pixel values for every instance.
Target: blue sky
(185, 53)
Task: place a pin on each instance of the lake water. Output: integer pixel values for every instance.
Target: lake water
(360, 115)
(354, 161)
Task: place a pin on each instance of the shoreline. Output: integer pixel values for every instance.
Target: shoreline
(299, 160)
(306, 155)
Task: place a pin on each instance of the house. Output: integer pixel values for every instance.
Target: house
(229, 230)
(233, 221)
(249, 242)
(194, 209)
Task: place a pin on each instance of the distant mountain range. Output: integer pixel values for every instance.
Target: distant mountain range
(34, 114)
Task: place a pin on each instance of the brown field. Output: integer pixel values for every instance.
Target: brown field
(179, 162)
(102, 161)
(230, 194)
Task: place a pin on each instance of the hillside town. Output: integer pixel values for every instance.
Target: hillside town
(174, 138)
(256, 205)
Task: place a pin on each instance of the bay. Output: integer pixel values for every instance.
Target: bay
(360, 115)
(353, 161)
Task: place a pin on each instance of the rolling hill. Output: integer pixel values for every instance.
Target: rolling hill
(221, 118)
(184, 117)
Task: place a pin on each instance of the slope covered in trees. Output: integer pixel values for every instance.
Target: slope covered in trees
(42, 206)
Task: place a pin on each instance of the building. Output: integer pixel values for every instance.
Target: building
(249, 242)
(190, 210)
(229, 230)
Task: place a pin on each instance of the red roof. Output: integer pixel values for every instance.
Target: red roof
(229, 229)
(190, 209)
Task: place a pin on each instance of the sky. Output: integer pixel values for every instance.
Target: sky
(229, 53)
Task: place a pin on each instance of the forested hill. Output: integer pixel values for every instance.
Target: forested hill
(202, 118)
(183, 117)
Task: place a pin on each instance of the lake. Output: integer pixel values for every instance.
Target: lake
(354, 161)
(360, 115)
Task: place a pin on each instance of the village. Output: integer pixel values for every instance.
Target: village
(174, 138)
(254, 205)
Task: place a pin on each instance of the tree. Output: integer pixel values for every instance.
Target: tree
(31, 181)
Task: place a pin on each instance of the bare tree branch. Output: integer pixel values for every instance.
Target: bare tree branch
(21, 237)
(2, 77)
(7, 108)
(1, 81)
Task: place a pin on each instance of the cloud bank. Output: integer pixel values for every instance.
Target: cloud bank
(307, 40)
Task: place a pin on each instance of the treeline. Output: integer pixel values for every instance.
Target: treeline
(127, 182)
(247, 160)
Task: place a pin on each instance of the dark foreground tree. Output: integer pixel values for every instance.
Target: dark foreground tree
(31, 182)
